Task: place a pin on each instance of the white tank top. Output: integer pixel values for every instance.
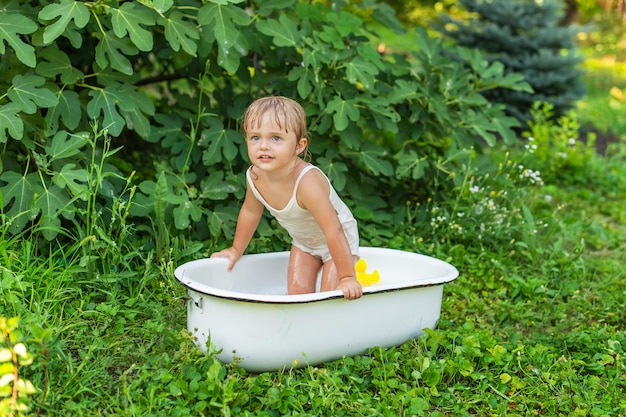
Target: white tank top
(301, 224)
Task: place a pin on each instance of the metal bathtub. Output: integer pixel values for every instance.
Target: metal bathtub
(249, 319)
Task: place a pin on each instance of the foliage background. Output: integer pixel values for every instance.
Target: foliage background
(77, 71)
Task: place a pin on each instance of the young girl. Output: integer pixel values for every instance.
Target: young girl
(323, 231)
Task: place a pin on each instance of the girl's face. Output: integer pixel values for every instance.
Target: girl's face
(270, 146)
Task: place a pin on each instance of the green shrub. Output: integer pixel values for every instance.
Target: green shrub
(559, 153)
(477, 204)
(168, 83)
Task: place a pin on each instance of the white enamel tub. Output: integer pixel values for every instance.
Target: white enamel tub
(248, 317)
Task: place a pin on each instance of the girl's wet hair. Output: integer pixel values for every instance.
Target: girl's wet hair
(288, 115)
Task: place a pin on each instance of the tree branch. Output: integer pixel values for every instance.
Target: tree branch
(159, 78)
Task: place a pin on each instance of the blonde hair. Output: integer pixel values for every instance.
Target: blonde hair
(288, 115)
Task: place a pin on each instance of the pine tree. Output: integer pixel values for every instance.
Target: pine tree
(528, 38)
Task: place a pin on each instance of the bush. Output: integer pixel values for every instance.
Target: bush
(168, 85)
(560, 154)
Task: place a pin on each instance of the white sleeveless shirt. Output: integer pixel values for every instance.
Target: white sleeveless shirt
(301, 225)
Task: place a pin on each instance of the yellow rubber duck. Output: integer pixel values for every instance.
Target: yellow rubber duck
(363, 277)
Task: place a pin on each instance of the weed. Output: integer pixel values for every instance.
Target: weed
(558, 151)
(484, 204)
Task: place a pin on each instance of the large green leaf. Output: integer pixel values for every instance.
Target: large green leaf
(360, 71)
(107, 101)
(104, 102)
(56, 62)
(229, 59)
(343, 111)
(26, 92)
(371, 55)
(11, 26)
(74, 35)
(483, 128)
(224, 20)
(162, 6)
(427, 46)
(382, 112)
(64, 12)
(68, 109)
(19, 194)
(214, 187)
(504, 125)
(314, 55)
(136, 106)
(113, 50)
(331, 36)
(221, 220)
(186, 211)
(52, 202)
(10, 122)
(306, 80)
(283, 31)
(403, 91)
(128, 19)
(345, 22)
(370, 155)
(516, 82)
(71, 178)
(180, 33)
(410, 165)
(64, 145)
(220, 141)
(168, 130)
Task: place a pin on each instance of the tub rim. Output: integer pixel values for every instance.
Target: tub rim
(451, 274)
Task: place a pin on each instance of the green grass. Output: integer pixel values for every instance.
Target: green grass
(534, 327)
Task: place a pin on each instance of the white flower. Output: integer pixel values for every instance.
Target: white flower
(534, 176)
(531, 147)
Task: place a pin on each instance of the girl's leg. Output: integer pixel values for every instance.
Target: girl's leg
(302, 272)
(330, 280)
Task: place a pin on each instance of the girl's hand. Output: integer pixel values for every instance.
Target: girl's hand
(231, 254)
(350, 287)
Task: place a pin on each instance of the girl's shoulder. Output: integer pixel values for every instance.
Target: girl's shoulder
(313, 183)
(311, 171)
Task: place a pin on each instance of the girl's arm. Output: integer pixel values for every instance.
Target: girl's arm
(313, 194)
(247, 222)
